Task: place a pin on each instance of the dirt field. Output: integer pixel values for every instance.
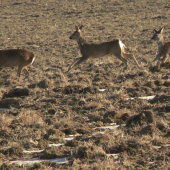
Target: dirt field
(94, 116)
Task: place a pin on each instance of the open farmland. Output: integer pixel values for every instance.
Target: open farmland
(97, 116)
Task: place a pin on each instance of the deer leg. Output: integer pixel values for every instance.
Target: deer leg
(164, 58)
(26, 71)
(128, 55)
(20, 67)
(74, 64)
(124, 60)
(70, 67)
(156, 58)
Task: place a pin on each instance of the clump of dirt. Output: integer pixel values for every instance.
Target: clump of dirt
(9, 166)
(160, 98)
(42, 84)
(83, 130)
(42, 144)
(55, 135)
(94, 113)
(3, 142)
(167, 83)
(162, 127)
(51, 112)
(82, 152)
(166, 64)
(110, 114)
(89, 152)
(6, 103)
(16, 92)
(5, 134)
(72, 143)
(154, 69)
(53, 152)
(124, 116)
(47, 155)
(93, 117)
(140, 119)
(78, 89)
(150, 84)
(48, 100)
(128, 146)
(12, 151)
(109, 117)
(68, 130)
(148, 130)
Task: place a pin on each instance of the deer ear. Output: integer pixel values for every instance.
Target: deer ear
(81, 27)
(162, 29)
(155, 30)
(76, 27)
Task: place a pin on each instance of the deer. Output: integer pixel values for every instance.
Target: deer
(16, 57)
(163, 47)
(115, 47)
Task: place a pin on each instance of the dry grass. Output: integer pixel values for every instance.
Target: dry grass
(29, 117)
(5, 121)
(49, 105)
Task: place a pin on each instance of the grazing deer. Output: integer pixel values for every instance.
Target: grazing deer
(115, 47)
(163, 47)
(16, 57)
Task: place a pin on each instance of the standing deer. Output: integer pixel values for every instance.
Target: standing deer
(163, 47)
(16, 57)
(115, 47)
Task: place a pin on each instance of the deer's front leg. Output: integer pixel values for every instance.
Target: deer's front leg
(158, 55)
(72, 65)
(164, 58)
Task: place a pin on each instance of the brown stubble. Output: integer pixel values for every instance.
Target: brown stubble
(49, 105)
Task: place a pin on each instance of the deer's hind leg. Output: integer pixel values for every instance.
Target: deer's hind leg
(22, 66)
(119, 55)
(124, 60)
(26, 71)
(128, 55)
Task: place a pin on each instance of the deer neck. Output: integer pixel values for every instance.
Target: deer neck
(161, 43)
(81, 41)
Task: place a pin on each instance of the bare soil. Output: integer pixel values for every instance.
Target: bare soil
(49, 105)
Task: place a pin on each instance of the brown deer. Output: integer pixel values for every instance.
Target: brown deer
(115, 47)
(16, 57)
(163, 47)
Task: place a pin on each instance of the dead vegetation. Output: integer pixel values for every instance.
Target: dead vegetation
(94, 116)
